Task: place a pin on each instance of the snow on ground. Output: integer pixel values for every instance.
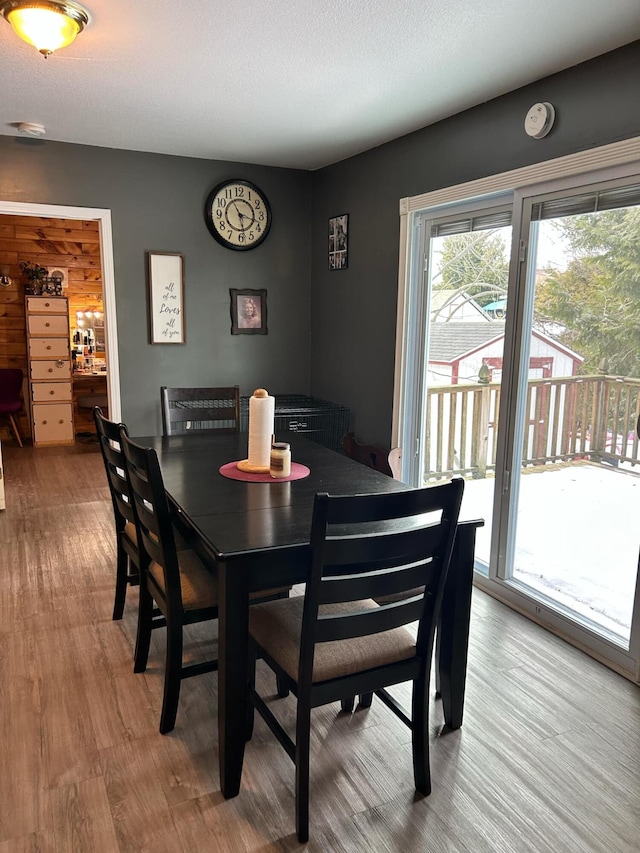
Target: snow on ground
(577, 537)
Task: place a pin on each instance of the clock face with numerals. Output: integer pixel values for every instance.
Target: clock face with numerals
(238, 215)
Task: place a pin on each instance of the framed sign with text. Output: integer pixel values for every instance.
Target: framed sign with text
(166, 297)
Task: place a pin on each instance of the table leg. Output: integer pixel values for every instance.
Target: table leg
(452, 642)
(233, 617)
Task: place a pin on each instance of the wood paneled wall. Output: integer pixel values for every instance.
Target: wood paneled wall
(69, 243)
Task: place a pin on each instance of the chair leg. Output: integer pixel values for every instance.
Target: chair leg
(347, 704)
(251, 682)
(303, 736)
(172, 677)
(143, 636)
(122, 569)
(365, 700)
(420, 735)
(16, 431)
(281, 687)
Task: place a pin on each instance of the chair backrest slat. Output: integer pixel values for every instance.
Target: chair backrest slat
(372, 545)
(380, 548)
(378, 619)
(186, 410)
(354, 509)
(376, 584)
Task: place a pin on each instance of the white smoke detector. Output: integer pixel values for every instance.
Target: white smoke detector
(539, 120)
(30, 128)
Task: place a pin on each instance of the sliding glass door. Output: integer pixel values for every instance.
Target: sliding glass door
(574, 498)
(522, 375)
(457, 351)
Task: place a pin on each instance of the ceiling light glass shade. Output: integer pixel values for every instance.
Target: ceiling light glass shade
(46, 24)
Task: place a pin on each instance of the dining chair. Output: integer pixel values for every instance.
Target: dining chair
(336, 642)
(127, 555)
(368, 454)
(183, 588)
(186, 410)
(11, 397)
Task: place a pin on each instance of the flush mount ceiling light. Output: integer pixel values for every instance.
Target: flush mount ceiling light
(30, 128)
(46, 24)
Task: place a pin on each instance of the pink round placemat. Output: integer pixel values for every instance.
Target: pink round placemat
(232, 472)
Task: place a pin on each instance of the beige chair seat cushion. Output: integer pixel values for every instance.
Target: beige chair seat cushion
(198, 585)
(276, 626)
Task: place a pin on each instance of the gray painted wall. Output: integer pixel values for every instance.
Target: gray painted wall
(353, 311)
(157, 203)
(331, 334)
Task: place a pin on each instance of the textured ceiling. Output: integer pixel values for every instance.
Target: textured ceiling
(296, 83)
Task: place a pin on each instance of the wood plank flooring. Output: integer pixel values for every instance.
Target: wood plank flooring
(548, 759)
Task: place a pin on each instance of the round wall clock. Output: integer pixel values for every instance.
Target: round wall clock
(238, 215)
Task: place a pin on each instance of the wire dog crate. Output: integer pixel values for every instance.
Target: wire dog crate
(318, 420)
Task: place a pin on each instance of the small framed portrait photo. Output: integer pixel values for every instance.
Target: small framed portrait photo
(338, 242)
(248, 312)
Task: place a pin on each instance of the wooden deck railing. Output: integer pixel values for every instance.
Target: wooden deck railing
(569, 417)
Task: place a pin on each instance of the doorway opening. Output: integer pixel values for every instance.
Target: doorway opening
(107, 323)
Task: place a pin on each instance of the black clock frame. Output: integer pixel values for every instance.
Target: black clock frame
(208, 215)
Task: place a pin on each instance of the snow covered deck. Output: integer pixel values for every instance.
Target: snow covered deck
(577, 536)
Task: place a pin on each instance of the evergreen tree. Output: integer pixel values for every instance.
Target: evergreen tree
(597, 298)
(476, 264)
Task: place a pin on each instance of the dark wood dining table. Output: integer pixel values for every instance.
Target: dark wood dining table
(255, 536)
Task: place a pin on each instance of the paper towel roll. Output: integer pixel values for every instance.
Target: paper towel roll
(261, 423)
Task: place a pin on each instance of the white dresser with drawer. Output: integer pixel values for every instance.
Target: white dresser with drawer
(49, 370)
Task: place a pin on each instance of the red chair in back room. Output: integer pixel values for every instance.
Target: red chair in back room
(11, 396)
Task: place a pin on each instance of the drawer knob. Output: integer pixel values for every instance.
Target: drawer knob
(47, 304)
(49, 347)
(60, 421)
(43, 422)
(47, 325)
(52, 392)
(51, 370)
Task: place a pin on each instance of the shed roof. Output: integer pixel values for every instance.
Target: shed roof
(450, 341)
